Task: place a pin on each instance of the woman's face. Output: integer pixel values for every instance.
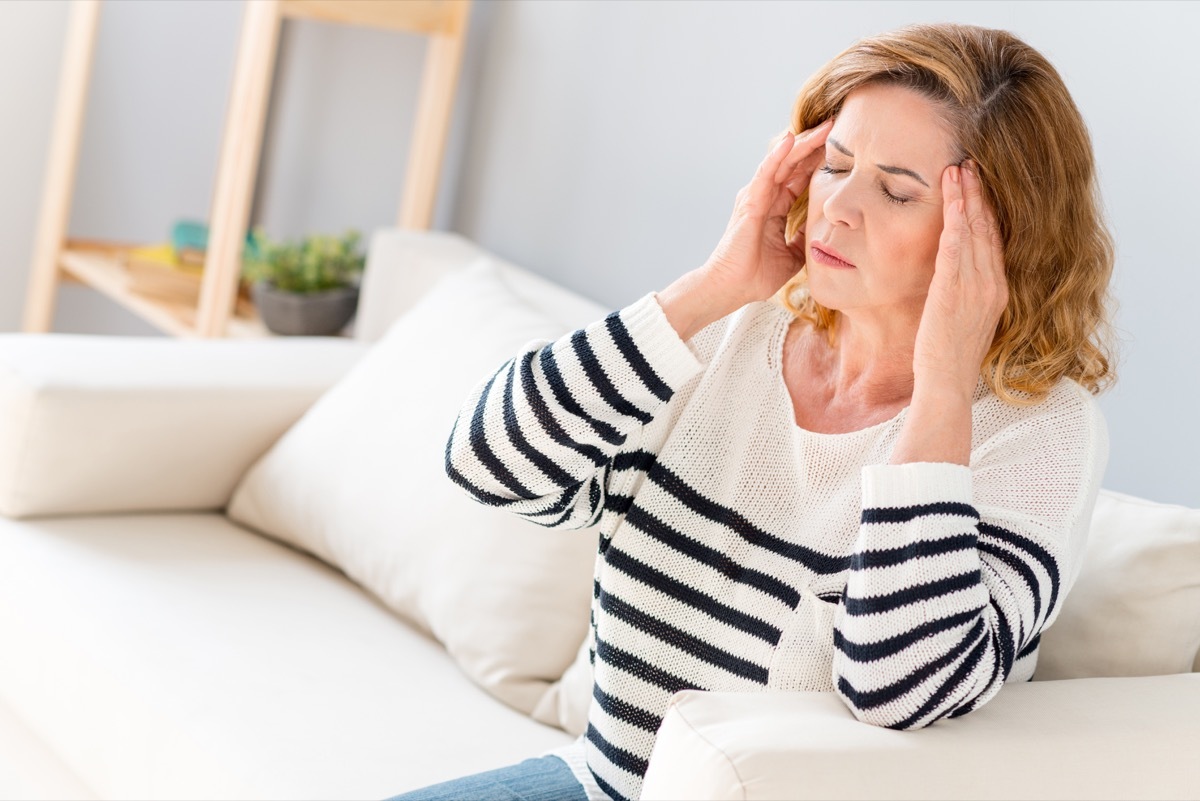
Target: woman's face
(866, 203)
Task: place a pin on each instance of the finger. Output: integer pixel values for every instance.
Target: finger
(986, 244)
(803, 146)
(769, 165)
(979, 219)
(989, 246)
(797, 180)
(763, 191)
(954, 243)
(995, 242)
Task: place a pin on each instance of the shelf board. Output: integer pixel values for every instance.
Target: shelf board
(101, 269)
(429, 17)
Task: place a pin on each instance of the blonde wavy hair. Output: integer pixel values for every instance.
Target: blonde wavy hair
(1011, 112)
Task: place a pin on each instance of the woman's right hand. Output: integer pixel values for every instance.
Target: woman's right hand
(753, 260)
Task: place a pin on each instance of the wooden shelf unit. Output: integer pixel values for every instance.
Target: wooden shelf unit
(218, 313)
(103, 271)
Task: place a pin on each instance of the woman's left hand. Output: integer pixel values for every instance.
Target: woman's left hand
(968, 293)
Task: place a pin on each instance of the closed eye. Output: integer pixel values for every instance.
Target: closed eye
(900, 201)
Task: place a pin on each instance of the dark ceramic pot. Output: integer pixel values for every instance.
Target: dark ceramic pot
(315, 315)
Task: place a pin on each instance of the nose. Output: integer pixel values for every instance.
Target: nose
(843, 203)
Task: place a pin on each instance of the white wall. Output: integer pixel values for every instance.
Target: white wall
(601, 144)
(31, 36)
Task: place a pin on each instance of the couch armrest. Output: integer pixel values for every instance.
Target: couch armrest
(92, 424)
(1072, 739)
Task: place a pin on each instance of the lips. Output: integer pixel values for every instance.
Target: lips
(827, 250)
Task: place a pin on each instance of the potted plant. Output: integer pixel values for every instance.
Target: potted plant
(306, 288)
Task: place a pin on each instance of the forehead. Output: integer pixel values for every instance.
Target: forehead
(894, 125)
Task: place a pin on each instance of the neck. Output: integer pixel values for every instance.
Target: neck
(871, 361)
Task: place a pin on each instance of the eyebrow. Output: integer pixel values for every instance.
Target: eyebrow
(884, 167)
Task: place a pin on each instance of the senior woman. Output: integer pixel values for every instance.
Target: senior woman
(855, 451)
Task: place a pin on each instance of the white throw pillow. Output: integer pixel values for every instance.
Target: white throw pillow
(1135, 607)
(566, 703)
(360, 482)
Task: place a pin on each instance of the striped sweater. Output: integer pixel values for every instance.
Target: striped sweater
(741, 552)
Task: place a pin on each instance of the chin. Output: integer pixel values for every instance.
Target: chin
(820, 291)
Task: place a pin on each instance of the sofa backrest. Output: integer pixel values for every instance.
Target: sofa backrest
(1134, 609)
(402, 265)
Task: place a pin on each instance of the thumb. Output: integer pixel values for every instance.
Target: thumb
(797, 241)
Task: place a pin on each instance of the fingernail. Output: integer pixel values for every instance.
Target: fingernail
(954, 174)
(823, 124)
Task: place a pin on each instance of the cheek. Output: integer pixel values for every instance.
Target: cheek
(921, 250)
(814, 182)
(930, 239)
(907, 246)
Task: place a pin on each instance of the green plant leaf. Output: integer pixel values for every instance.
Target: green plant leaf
(316, 263)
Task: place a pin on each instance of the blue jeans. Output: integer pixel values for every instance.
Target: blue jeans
(540, 779)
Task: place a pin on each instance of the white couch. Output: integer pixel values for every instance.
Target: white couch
(184, 549)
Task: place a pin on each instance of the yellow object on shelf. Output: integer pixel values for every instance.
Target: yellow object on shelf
(154, 271)
(157, 271)
(162, 255)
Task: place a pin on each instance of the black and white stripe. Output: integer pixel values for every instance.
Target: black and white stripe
(933, 604)
(965, 569)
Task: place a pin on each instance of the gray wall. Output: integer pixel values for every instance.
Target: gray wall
(600, 144)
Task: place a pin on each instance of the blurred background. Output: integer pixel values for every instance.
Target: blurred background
(599, 144)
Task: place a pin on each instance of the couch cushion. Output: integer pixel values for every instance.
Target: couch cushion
(1135, 607)
(360, 482)
(566, 703)
(29, 769)
(402, 265)
(181, 656)
(1100, 738)
(185, 418)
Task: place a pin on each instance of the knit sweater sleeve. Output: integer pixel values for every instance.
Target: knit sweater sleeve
(539, 436)
(957, 570)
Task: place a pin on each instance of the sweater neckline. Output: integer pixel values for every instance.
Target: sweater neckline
(786, 318)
